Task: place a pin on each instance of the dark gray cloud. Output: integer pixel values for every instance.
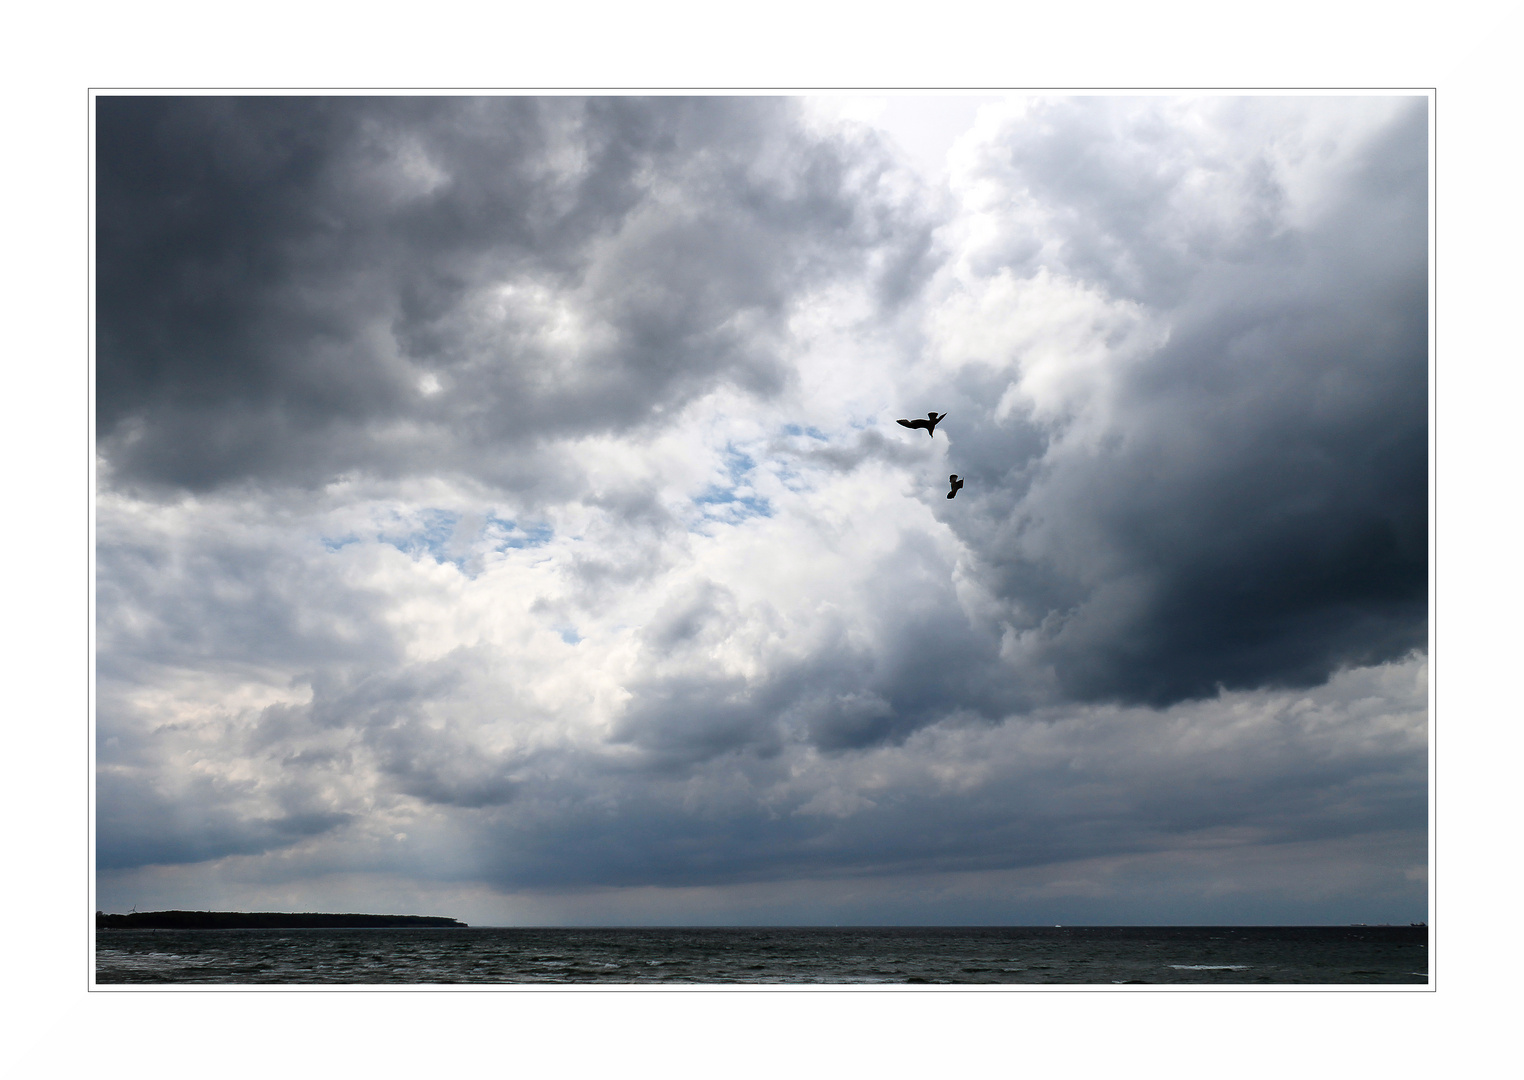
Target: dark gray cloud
(1049, 791)
(195, 823)
(1256, 510)
(292, 288)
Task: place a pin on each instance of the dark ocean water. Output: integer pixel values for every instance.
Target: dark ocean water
(775, 955)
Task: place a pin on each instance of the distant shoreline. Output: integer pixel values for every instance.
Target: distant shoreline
(264, 920)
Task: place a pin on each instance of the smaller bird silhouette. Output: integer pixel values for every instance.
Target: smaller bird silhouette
(930, 423)
(956, 484)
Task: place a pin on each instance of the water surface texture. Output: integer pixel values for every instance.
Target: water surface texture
(930, 955)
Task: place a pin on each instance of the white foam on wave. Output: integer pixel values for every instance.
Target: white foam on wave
(1209, 967)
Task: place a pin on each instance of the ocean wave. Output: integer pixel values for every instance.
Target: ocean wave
(1209, 967)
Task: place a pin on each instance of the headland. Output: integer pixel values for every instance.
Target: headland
(263, 920)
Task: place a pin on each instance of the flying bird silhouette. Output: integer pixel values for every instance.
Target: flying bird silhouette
(956, 484)
(930, 423)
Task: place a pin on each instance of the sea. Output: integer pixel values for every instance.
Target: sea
(900, 956)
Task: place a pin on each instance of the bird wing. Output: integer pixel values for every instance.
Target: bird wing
(904, 423)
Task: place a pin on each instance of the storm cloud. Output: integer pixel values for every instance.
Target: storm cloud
(292, 289)
(1233, 491)
(504, 494)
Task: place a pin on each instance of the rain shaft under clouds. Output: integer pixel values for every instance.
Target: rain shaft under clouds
(506, 492)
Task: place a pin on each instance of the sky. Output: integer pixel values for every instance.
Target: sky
(500, 511)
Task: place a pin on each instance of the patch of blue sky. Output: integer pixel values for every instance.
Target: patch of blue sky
(569, 635)
(429, 532)
(792, 479)
(734, 500)
(737, 463)
(437, 534)
(734, 503)
(812, 432)
(502, 534)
